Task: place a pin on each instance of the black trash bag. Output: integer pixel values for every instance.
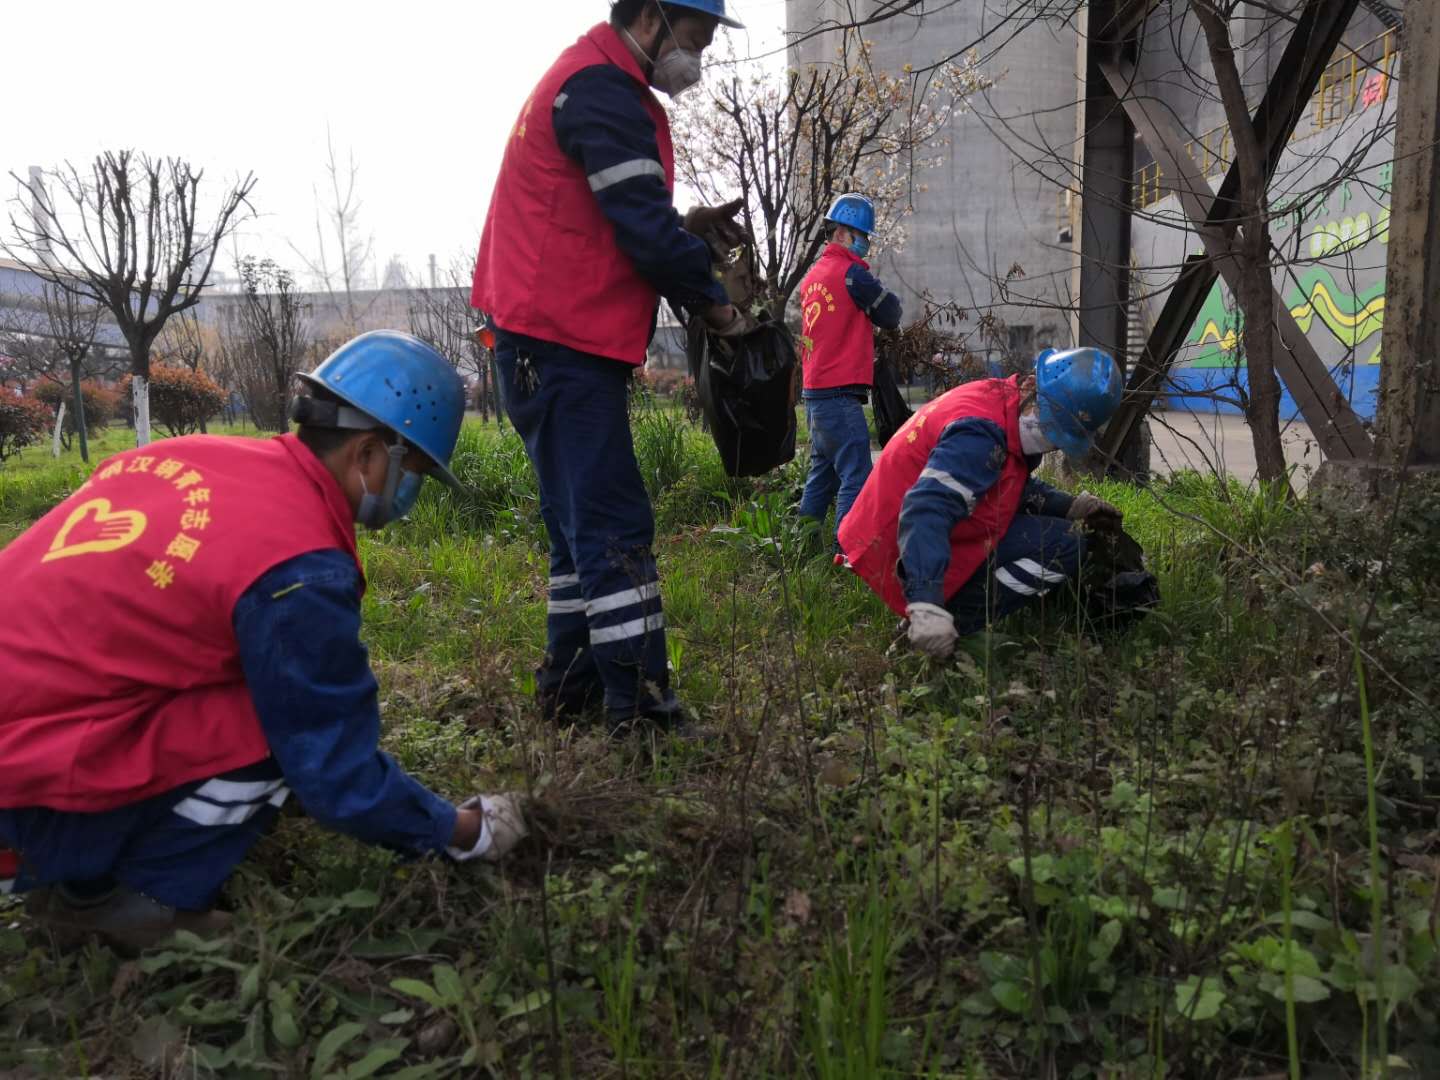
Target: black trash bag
(746, 388)
(890, 410)
(1116, 588)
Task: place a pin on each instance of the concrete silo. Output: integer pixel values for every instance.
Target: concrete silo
(997, 197)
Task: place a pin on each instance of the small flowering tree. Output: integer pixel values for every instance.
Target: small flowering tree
(788, 144)
(23, 420)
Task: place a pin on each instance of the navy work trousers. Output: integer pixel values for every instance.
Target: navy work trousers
(604, 626)
(1036, 555)
(178, 848)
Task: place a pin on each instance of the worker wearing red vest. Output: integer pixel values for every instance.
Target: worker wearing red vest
(581, 240)
(182, 653)
(951, 530)
(840, 300)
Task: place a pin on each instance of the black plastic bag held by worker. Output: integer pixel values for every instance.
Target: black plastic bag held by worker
(746, 387)
(1116, 588)
(890, 408)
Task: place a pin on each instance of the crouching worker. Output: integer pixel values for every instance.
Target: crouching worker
(182, 653)
(951, 530)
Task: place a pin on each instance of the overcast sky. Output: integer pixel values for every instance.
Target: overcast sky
(422, 92)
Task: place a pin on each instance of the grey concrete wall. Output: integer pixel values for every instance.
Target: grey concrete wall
(985, 208)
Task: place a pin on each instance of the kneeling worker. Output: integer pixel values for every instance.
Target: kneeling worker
(183, 653)
(951, 530)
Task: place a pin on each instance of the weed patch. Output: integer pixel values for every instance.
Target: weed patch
(1207, 848)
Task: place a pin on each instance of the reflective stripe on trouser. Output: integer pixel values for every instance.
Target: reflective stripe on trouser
(839, 456)
(604, 619)
(1036, 555)
(179, 847)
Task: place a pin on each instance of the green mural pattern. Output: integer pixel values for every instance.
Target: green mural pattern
(1353, 318)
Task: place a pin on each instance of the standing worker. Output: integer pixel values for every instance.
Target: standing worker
(182, 652)
(581, 240)
(951, 530)
(839, 300)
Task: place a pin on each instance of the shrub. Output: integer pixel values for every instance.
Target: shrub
(665, 382)
(102, 405)
(180, 399)
(23, 420)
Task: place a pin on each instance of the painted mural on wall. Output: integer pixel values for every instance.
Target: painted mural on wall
(1332, 243)
(1342, 292)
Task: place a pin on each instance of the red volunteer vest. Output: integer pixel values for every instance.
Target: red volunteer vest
(549, 266)
(120, 676)
(837, 343)
(869, 535)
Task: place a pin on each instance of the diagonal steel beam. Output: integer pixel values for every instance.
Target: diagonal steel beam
(1333, 421)
(1317, 34)
(1125, 20)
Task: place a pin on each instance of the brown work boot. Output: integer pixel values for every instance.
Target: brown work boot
(124, 919)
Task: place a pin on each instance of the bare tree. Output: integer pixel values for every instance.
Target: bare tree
(443, 318)
(1256, 294)
(264, 339)
(342, 249)
(128, 239)
(788, 146)
(73, 322)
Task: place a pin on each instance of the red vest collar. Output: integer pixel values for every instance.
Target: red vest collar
(608, 41)
(321, 477)
(840, 251)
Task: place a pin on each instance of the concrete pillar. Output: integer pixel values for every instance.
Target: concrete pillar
(1408, 417)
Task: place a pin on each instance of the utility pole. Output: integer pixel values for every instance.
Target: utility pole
(1408, 417)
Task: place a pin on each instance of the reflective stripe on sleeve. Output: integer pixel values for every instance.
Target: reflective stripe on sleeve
(943, 478)
(626, 170)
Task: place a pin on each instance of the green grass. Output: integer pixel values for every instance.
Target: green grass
(1140, 856)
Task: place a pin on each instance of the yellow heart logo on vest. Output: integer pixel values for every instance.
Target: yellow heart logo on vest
(117, 528)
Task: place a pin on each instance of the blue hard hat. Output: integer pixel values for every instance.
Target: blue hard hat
(709, 7)
(405, 385)
(1077, 391)
(853, 211)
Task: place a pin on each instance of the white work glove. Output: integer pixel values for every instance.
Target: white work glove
(1095, 512)
(932, 630)
(502, 826)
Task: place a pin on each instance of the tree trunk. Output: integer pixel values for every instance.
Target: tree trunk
(59, 430)
(79, 409)
(140, 397)
(1256, 295)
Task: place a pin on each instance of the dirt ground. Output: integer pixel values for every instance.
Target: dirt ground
(1184, 440)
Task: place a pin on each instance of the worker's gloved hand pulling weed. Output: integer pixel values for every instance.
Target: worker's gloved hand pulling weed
(499, 821)
(932, 630)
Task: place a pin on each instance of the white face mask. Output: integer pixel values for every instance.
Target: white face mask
(1032, 439)
(676, 71)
